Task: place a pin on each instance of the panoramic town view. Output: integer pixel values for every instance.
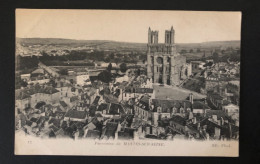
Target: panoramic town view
(115, 90)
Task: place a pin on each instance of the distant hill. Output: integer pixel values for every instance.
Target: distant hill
(108, 44)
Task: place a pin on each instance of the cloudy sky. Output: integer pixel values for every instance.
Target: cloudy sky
(127, 25)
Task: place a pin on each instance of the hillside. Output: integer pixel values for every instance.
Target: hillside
(125, 46)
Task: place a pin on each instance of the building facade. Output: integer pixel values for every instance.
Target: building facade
(164, 64)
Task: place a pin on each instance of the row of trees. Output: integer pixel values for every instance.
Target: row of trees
(49, 59)
(106, 75)
(183, 51)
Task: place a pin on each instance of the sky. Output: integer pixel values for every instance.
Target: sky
(127, 25)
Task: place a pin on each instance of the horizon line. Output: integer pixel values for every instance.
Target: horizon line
(126, 41)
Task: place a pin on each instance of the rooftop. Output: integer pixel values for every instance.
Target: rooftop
(76, 114)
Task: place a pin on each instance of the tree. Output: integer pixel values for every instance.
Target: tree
(138, 72)
(64, 72)
(123, 67)
(105, 76)
(109, 68)
(183, 51)
(24, 83)
(198, 49)
(53, 83)
(191, 50)
(215, 57)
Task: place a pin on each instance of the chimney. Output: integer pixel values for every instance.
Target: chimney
(214, 117)
(205, 74)
(198, 126)
(195, 120)
(205, 101)
(190, 115)
(221, 121)
(191, 98)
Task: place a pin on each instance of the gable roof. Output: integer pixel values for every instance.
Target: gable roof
(178, 119)
(95, 102)
(199, 105)
(102, 107)
(63, 104)
(76, 114)
(169, 104)
(219, 113)
(110, 129)
(74, 98)
(115, 109)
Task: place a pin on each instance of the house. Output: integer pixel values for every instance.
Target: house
(216, 101)
(75, 115)
(122, 78)
(231, 109)
(93, 134)
(25, 77)
(64, 106)
(132, 92)
(98, 100)
(110, 130)
(110, 110)
(199, 107)
(163, 109)
(83, 80)
(141, 108)
(22, 100)
(178, 123)
(127, 134)
(74, 101)
(102, 108)
(218, 116)
(47, 94)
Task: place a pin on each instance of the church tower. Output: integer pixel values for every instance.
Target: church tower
(164, 64)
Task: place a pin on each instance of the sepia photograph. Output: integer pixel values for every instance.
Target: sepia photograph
(127, 82)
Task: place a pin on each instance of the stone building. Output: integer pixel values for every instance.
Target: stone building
(164, 64)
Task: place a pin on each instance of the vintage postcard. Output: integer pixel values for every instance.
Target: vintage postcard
(127, 82)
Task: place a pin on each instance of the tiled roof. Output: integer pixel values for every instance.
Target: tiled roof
(126, 134)
(38, 71)
(199, 105)
(110, 129)
(215, 95)
(63, 104)
(138, 90)
(54, 128)
(93, 134)
(102, 107)
(92, 110)
(76, 114)
(96, 100)
(169, 104)
(98, 115)
(20, 95)
(74, 98)
(219, 113)
(178, 119)
(144, 103)
(25, 93)
(115, 109)
(55, 122)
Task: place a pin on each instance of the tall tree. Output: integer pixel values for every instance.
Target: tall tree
(215, 57)
(105, 76)
(123, 67)
(109, 68)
